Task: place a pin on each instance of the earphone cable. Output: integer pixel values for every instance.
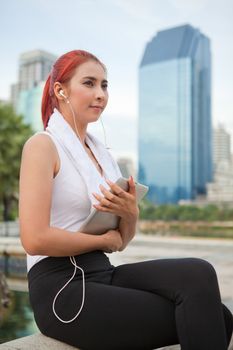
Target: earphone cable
(105, 141)
(73, 262)
(74, 119)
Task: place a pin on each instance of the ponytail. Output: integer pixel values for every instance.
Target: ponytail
(46, 107)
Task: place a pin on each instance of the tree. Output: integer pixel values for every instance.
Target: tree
(13, 134)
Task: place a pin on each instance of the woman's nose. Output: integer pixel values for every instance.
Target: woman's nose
(100, 94)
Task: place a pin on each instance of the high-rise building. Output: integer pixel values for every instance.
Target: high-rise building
(220, 190)
(26, 94)
(34, 67)
(221, 145)
(174, 129)
(29, 105)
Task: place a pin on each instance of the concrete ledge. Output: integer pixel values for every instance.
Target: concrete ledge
(36, 341)
(39, 341)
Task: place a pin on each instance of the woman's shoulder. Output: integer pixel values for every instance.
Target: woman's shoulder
(41, 144)
(40, 140)
(38, 149)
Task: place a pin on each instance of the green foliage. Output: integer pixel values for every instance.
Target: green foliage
(147, 209)
(13, 134)
(150, 211)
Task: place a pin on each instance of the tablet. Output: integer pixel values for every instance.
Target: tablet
(99, 222)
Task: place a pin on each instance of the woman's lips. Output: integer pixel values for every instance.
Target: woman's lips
(97, 108)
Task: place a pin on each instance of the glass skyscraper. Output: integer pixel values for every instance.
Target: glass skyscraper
(29, 105)
(174, 129)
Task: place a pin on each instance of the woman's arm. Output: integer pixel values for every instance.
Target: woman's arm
(127, 230)
(35, 192)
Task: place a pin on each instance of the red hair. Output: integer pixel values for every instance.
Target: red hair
(62, 71)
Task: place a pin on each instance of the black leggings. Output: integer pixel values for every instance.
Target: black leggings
(144, 305)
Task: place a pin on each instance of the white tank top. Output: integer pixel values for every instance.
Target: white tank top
(70, 201)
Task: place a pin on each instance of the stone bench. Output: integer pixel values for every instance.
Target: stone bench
(36, 341)
(39, 341)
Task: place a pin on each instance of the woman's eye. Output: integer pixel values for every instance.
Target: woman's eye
(89, 82)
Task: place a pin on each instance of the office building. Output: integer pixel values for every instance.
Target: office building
(221, 189)
(34, 67)
(26, 94)
(29, 105)
(221, 145)
(174, 129)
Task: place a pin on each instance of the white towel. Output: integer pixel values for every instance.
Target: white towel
(66, 136)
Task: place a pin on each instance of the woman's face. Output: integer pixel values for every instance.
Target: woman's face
(87, 91)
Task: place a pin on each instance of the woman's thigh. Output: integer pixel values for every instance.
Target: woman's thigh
(166, 276)
(116, 318)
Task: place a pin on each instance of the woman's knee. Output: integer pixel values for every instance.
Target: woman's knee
(202, 266)
(200, 273)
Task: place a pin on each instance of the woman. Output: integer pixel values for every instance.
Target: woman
(77, 296)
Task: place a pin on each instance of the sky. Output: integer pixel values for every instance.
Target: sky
(117, 32)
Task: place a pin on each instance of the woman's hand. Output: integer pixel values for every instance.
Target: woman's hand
(123, 204)
(118, 201)
(112, 241)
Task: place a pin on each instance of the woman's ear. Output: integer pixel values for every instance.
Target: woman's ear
(59, 91)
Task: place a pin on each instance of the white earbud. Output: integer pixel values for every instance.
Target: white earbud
(61, 92)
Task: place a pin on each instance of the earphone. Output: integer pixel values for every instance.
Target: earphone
(61, 92)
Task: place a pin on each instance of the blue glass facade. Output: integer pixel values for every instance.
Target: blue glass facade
(174, 138)
(29, 105)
